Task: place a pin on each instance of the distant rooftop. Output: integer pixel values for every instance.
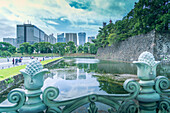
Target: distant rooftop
(30, 25)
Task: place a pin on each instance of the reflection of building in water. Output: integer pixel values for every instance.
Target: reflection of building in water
(81, 74)
(71, 74)
(49, 75)
(76, 74)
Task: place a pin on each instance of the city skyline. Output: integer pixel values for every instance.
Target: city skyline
(57, 16)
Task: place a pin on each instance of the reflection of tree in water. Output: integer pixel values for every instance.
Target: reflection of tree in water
(87, 67)
(116, 67)
(93, 67)
(80, 66)
(110, 85)
(61, 64)
(108, 67)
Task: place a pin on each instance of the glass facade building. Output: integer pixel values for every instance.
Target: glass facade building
(82, 38)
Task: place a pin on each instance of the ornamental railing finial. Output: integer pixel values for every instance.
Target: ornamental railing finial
(33, 82)
(146, 72)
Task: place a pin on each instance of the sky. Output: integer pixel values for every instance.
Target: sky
(57, 16)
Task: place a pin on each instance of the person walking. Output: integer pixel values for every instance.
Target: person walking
(13, 61)
(16, 61)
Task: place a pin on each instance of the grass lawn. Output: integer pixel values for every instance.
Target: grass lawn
(9, 72)
(50, 60)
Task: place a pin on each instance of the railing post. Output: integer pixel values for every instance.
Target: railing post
(146, 71)
(33, 82)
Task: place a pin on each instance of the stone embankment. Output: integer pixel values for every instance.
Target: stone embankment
(129, 50)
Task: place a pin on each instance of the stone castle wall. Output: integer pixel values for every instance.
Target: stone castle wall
(130, 49)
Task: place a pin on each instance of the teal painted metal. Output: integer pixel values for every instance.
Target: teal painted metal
(33, 82)
(15, 96)
(148, 95)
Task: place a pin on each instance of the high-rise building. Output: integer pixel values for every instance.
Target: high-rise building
(52, 39)
(29, 33)
(60, 37)
(12, 41)
(71, 37)
(82, 38)
(90, 39)
(42, 36)
(46, 38)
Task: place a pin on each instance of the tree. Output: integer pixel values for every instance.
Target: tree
(25, 45)
(67, 49)
(21, 50)
(62, 48)
(12, 49)
(93, 49)
(146, 15)
(80, 49)
(72, 47)
(36, 47)
(30, 49)
(45, 47)
(87, 44)
(4, 46)
(5, 53)
(85, 49)
(59, 48)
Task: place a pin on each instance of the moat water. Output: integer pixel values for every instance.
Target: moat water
(81, 76)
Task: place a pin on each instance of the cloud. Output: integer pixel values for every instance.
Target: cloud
(52, 22)
(53, 16)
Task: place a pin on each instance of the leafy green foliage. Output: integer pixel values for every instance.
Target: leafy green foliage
(80, 49)
(25, 45)
(45, 47)
(21, 50)
(59, 48)
(146, 16)
(12, 49)
(10, 80)
(85, 48)
(5, 53)
(6, 49)
(93, 49)
(30, 50)
(72, 47)
(36, 47)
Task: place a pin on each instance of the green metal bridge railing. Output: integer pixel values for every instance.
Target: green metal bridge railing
(149, 95)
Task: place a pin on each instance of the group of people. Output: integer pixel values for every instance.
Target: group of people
(19, 60)
(16, 60)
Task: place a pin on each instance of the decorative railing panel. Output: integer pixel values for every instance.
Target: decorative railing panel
(112, 100)
(149, 95)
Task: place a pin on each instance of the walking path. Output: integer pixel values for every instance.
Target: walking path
(4, 64)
